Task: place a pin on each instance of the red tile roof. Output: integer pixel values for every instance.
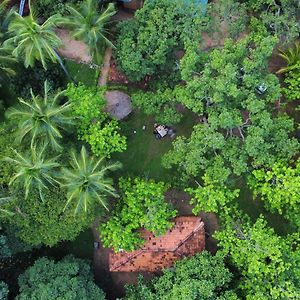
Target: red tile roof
(185, 238)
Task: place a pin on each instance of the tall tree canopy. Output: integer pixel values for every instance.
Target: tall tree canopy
(279, 188)
(45, 222)
(32, 41)
(42, 118)
(202, 276)
(68, 279)
(268, 262)
(142, 205)
(148, 43)
(86, 181)
(236, 94)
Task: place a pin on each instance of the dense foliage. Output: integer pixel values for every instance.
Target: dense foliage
(86, 181)
(148, 43)
(3, 291)
(162, 104)
(90, 26)
(267, 261)
(45, 222)
(142, 205)
(70, 278)
(235, 93)
(202, 276)
(94, 125)
(279, 188)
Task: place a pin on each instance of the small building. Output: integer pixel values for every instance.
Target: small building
(185, 238)
(118, 104)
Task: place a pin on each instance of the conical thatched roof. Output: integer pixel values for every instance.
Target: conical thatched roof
(118, 104)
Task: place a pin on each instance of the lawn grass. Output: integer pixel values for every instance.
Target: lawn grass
(254, 208)
(81, 247)
(83, 73)
(144, 152)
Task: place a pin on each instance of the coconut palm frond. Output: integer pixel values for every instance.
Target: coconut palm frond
(86, 181)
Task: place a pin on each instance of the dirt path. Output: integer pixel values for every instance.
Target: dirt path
(106, 66)
(73, 49)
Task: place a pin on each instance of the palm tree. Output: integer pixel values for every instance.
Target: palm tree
(42, 118)
(90, 26)
(34, 171)
(33, 41)
(86, 181)
(6, 59)
(292, 58)
(5, 18)
(6, 63)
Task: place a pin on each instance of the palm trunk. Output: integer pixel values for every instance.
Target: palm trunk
(21, 7)
(64, 68)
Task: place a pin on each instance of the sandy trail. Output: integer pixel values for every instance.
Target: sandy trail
(73, 49)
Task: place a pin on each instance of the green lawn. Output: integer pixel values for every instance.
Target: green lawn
(82, 73)
(144, 152)
(256, 207)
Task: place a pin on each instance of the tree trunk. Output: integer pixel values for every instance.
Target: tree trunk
(64, 68)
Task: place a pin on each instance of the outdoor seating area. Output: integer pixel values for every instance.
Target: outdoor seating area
(161, 131)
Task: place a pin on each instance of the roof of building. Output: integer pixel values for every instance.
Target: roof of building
(185, 238)
(118, 104)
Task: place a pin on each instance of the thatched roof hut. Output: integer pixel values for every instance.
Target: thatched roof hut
(118, 104)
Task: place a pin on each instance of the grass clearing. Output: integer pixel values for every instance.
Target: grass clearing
(144, 152)
(83, 73)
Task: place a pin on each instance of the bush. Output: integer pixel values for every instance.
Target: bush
(35, 77)
(70, 278)
(47, 8)
(45, 222)
(143, 205)
(94, 125)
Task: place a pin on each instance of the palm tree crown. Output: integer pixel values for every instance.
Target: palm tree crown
(34, 171)
(292, 58)
(5, 18)
(86, 180)
(33, 41)
(6, 63)
(90, 26)
(42, 118)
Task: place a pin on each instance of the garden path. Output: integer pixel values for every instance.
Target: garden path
(105, 68)
(73, 49)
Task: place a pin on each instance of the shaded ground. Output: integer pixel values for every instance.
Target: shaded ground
(73, 49)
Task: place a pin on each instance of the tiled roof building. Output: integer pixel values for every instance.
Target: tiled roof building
(185, 238)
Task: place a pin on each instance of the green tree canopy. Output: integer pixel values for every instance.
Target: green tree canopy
(33, 171)
(142, 205)
(235, 93)
(46, 222)
(147, 44)
(32, 41)
(268, 262)
(202, 276)
(93, 124)
(281, 18)
(279, 188)
(86, 181)
(68, 279)
(3, 291)
(42, 118)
